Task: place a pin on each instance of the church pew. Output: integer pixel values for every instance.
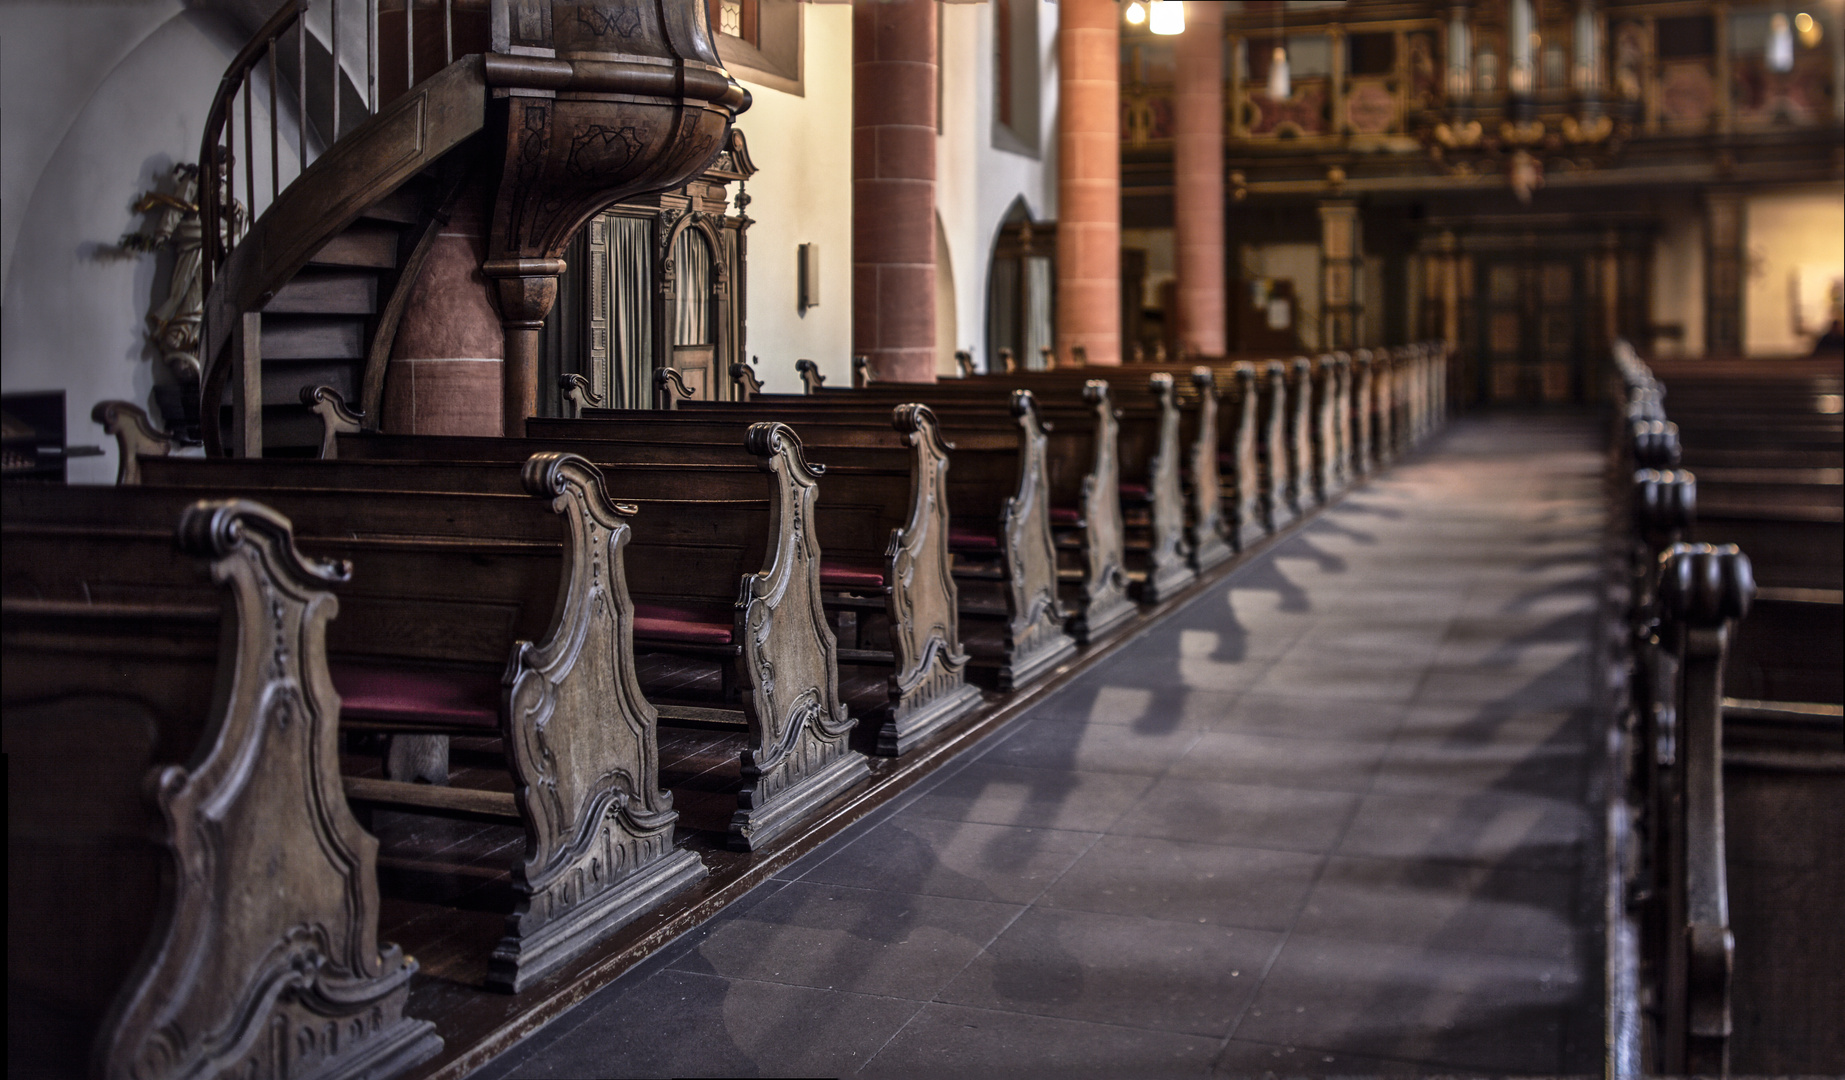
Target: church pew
(178, 848)
(723, 570)
(997, 496)
(1081, 476)
(502, 616)
(1158, 443)
(881, 523)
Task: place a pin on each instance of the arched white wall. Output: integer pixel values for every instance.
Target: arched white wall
(975, 184)
(73, 303)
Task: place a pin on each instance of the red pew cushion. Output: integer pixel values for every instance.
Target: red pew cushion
(1133, 491)
(837, 575)
(689, 626)
(398, 696)
(1066, 515)
(968, 540)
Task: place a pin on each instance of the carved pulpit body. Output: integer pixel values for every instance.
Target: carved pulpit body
(658, 282)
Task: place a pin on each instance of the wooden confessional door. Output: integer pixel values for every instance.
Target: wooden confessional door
(1531, 325)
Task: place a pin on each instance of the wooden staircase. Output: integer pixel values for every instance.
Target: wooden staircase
(313, 292)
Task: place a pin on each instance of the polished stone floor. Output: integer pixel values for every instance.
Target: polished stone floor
(1330, 818)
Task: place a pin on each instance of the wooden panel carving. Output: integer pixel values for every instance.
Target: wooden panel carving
(581, 741)
(336, 417)
(1105, 581)
(134, 435)
(1249, 515)
(1300, 437)
(1383, 405)
(1361, 408)
(1035, 634)
(1206, 531)
(797, 758)
(1341, 391)
(1168, 561)
(1276, 481)
(1325, 434)
(928, 688)
(266, 962)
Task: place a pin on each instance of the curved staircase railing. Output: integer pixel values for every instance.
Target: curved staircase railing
(351, 226)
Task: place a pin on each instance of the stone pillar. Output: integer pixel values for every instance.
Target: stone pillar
(446, 361)
(1089, 181)
(893, 187)
(1724, 260)
(1198, 182)
(1341, 258)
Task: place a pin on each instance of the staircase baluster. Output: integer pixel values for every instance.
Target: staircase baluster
(448, 31)
(409, 44)
(333, 35)
(371, 56)
(275, 133)
(301, 163)
(249, 149)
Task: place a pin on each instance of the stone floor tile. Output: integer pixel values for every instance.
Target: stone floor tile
(956, 1041)
(1298, 717)
(1241, 1059)
(1469, 1011)
(1034, 798)
(1454, 907)
(1239, 815)
(1282, 761)
(935, 857)
(684, 1024)
(1442, 765)
(861, 941)
(1559, 685)
(1307, 679)
(1146, 973)
(1513, 830)
(1048, 744)
(1184, 882)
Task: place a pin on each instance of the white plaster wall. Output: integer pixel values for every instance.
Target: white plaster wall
(72, 310)
(1788, 232)
(1678, 283)
(803, 195)
(975, 184)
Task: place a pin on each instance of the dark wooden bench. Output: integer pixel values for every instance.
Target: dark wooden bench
(178, 847)
(997, 497)
(882, 524)
(724, 573)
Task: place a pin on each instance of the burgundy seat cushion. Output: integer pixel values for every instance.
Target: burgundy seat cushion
(397, 696)
(1133, 491)
(1065, 515)
(967, 540)
(837, 575)
(688, 626)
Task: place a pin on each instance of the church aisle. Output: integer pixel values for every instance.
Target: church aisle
(1332, 817)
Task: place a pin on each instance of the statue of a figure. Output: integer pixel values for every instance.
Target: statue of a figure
(174, 322)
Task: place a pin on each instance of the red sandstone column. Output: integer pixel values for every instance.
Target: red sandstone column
(893, 187)
(1089, 181)
(445, 371)
(1198, 181)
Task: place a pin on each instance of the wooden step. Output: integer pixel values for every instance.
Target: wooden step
(327, 292)
(309, 337)
(283, 379)
(405, 206)
(290, 431)
(364, 244)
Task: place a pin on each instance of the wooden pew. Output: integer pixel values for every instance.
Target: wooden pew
(503, 615)
(997, 494)
(696, 596)
(1168, 456)
(882, 525)
(1081, 475)
(188, 893)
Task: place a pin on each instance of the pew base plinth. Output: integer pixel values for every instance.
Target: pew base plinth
(1093, 621)
(520, 960)
(754, 826)
(1026, 665)
(1249, 533)
(1165, 582)
(1209, 550)
(903, 728)
(395, 1050)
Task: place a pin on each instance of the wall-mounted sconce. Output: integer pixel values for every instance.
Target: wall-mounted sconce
(1136, 14)
(807, 274)
(1166, 17)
